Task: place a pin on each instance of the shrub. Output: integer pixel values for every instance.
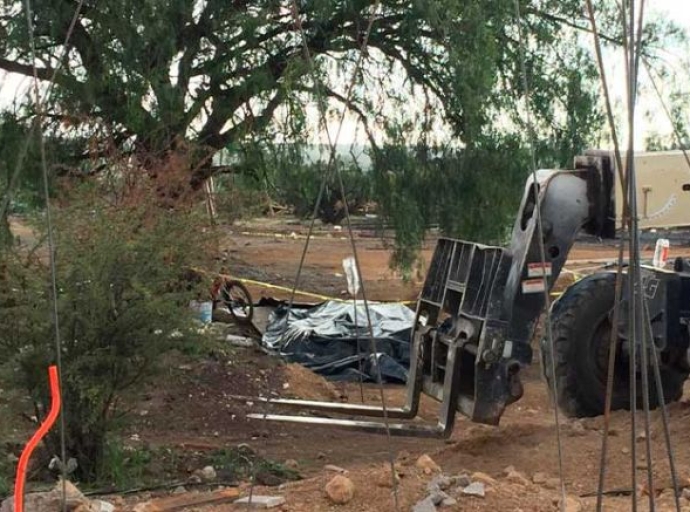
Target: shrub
(122, 301)
(298, 186)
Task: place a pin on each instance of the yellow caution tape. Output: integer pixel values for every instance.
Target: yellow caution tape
(286, 289)
(319, 296)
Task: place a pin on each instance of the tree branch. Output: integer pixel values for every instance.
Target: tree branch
(25, 69)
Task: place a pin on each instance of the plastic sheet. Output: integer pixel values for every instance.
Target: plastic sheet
(325, 339)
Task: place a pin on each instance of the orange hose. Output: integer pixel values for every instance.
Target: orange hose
(36, 438)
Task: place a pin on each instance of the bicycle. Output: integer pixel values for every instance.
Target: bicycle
(235, 296)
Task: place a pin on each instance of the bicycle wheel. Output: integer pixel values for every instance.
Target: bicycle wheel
(235, 296)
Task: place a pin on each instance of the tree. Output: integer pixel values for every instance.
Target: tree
(21, 170)
(215, 73)
(157, 78)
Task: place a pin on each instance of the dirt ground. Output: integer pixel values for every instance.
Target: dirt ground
(196, 412)
(526, 439)
(195, 409)
(269, 250)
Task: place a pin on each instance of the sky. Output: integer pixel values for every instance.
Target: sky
(12, 86)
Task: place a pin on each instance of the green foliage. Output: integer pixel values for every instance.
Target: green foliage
(299, 185)
(22, 191)
(126, 467)
(122, 295)
(291, 177)
(471, 194)
(242, 462)
(123, 467)
(5, 476)
(238, 69)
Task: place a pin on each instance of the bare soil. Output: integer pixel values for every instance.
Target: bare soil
(192, 406)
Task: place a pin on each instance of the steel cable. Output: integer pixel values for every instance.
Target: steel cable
(619, 271)
(542, 252)
(49, 223)
(327, 174)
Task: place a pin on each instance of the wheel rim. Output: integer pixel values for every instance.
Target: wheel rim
(236, 301)
(600, 343)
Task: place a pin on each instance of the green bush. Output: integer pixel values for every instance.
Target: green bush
(290, 177)
(5, 476)
(122, 302)
(298, 186)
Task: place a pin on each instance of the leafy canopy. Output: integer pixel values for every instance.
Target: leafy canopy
(218, 73)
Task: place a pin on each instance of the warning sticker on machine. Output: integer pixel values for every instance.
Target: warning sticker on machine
(533, 286)
(538, 269)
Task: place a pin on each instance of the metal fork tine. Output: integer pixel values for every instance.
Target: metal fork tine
(339, 408)
(396, 429)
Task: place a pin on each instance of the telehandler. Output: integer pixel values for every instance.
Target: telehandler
(479, 307)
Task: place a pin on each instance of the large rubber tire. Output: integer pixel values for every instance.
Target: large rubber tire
(581, 329)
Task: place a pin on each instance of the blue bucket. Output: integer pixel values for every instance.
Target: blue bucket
(204, 310)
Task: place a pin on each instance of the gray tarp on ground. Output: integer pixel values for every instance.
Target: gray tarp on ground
(325, 339)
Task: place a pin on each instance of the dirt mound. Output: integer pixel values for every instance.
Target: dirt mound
(303, 383)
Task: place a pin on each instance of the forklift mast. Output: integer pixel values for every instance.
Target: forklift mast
(480, 305)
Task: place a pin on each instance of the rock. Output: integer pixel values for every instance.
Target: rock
(335, 469)
(595, 423)
(426, 505)
(427, 465)
(384, 478)
(475, 489)
(404, 458)
(72, 494)
(239, 341)
(6, 505)
(483, 478)
(268, 479)
(641, 436)
(515, 477)
(462, 480)
(625, 450)
(686, 493)
(50, 501)
(104, 506)
(552, 483)
(449, 502)
(575, 429)
(118, 501)
(291, 464)
(262, 501)
(340, 489)
(571, 504)
(438, 496)
(667, 497)
(95, 506)
(539, 478)
(207, 474)
(439, 483)
(179, 489)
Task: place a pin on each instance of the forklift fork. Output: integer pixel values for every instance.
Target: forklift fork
(477, 311)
